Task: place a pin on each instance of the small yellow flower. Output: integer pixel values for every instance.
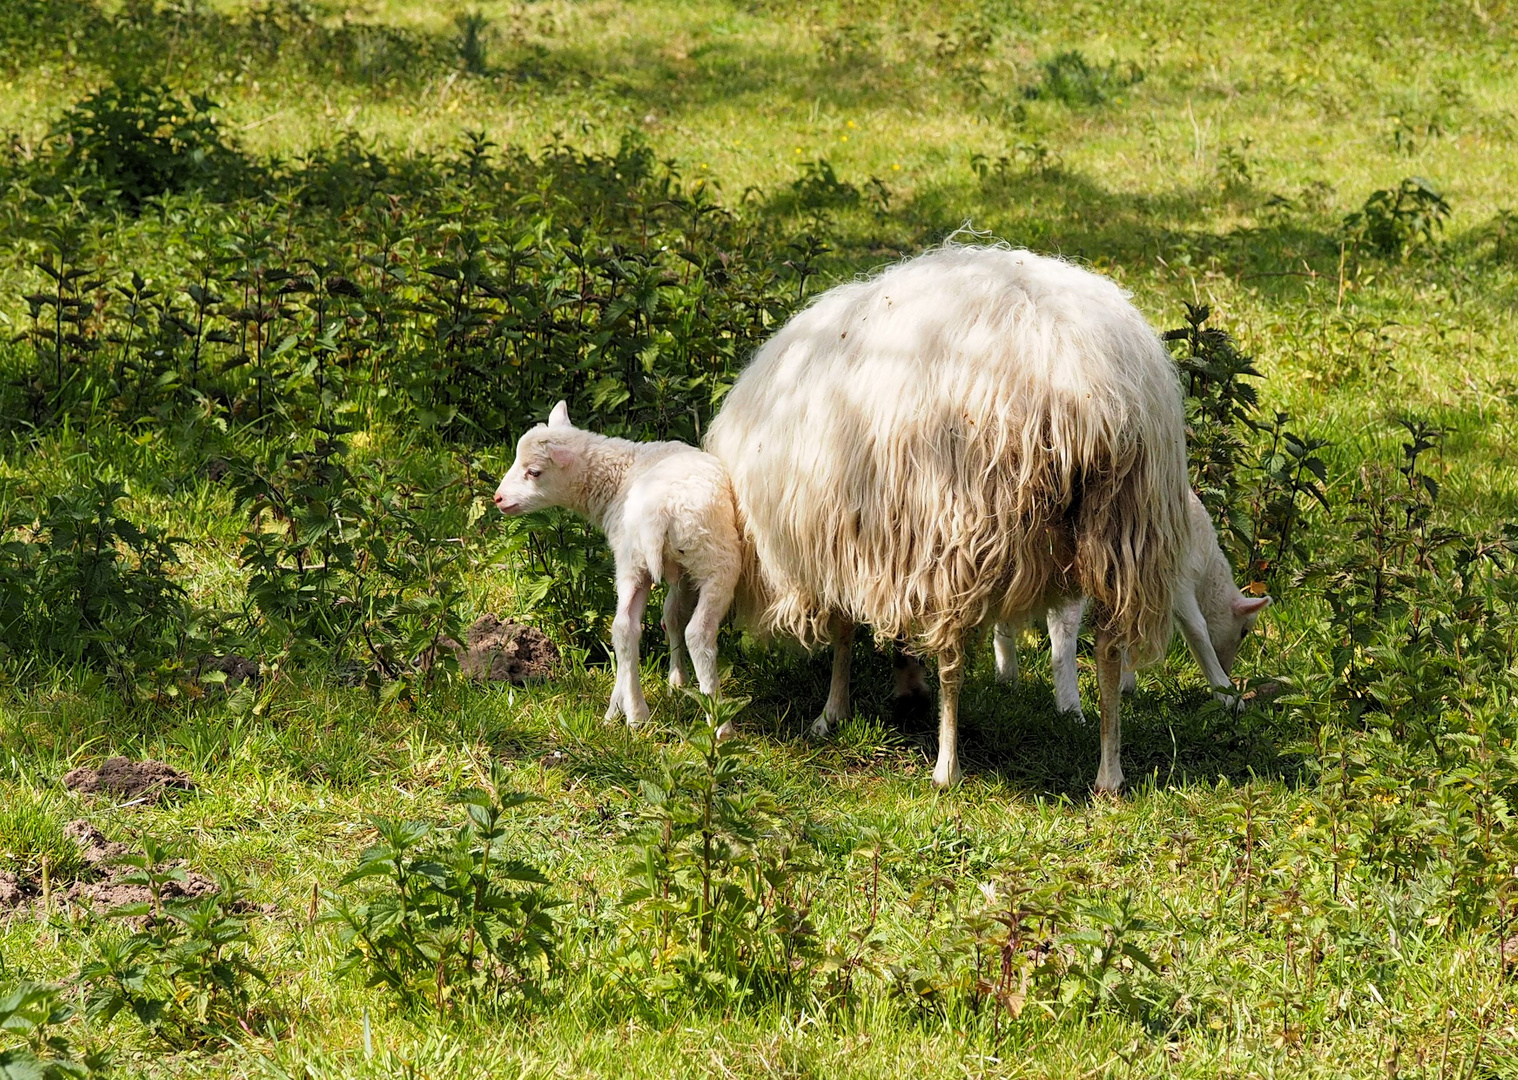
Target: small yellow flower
(798, 149)
(851, 123)
(845, 138)
(897, 168)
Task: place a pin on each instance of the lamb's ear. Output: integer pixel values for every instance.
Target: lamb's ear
(1250, 605)
(561, 455)
(560, 415)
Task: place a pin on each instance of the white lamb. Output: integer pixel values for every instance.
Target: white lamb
(668, 513)
(1214, 618)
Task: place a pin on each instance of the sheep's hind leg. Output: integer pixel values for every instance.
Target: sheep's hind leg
(1109, 681)
(951, 674)
(677, 612)
(838, 708)
(626, 628)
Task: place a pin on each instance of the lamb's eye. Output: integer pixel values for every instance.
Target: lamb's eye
(533, 474)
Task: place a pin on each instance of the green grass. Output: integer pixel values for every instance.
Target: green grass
(1229, 144)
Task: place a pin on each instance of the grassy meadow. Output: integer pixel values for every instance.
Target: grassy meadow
(281, 284)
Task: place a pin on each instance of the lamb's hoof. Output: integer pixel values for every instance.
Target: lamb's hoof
(946, 774)
(820, 727)
(613, 712)
(1074, 715)
(1109, 783)
(726, 731)
(677, 678)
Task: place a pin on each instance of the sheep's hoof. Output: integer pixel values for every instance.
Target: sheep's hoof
(1074, 713)
(820, 727)
(1109, 783)
(946, 774)
(676, 678)
(726, 731)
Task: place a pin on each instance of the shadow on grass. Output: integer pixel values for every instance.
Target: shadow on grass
(1172, 729)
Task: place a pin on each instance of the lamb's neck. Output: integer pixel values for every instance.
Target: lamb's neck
(607, 462)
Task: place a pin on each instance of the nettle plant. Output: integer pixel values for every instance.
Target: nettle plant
(82, 583)
(1255, 476)
(187, 973)
(719, 893)
(1395, 222)
(448, 915)
(344, 561)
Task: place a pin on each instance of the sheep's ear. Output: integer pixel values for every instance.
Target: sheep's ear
(560, 415)
(1250, 605)
(561, 455)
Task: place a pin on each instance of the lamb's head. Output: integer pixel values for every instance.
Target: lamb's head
(1229, 631)
(544, 472)
(1229, 614)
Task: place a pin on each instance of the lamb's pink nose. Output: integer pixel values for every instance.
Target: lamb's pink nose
(500, 501)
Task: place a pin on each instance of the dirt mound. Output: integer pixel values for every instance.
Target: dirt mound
(105, 889)
(237, 669)
(500, 651)
(94, 849)
(123, 778)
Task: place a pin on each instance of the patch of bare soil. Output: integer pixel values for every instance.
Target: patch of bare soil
(123, 778)
(498, 651)
(100, 886)
(237, 669)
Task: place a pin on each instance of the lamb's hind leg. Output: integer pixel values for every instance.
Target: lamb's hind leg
(1064, 628)
(1005, 640)
(951, 673)
(626, 628)
(701, 635)
(838, 708)
(678, 603)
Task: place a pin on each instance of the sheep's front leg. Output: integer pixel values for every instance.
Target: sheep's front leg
(1064, 630)
(1109, 681)
(1004, 639)
(626, 628)
(838, 708)
(677, 612)
(951, 675)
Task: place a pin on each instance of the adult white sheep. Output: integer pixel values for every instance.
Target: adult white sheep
(667, 511)
(1214, 616)
(962, 439)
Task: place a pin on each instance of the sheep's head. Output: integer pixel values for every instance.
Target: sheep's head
(541, 474)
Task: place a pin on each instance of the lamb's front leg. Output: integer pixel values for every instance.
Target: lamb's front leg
(678, 603)
(838, 708)
(626, 628)
(715, 596)
(1194, 630)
